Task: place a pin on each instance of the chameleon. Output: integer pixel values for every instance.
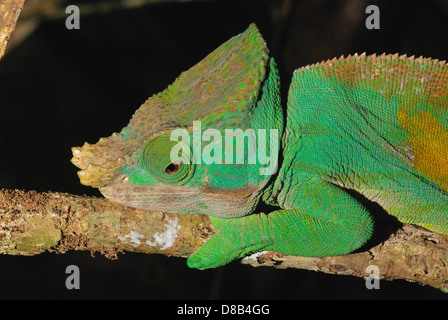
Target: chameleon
(374, 125)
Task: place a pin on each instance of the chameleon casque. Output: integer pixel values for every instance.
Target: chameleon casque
(377, 125)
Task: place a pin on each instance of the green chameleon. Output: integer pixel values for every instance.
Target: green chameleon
(371, 125)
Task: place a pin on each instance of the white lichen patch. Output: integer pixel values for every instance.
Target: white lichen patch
(134, 238)
(165, 239)
(254, 256)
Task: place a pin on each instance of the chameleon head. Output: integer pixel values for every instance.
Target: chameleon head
(234, 87)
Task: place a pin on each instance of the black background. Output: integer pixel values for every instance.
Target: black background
(62, 87)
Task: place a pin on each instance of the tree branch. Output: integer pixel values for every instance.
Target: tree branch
(9, 12)
(32, 222)
(412, 254)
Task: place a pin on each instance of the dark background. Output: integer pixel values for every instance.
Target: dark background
(62, 87)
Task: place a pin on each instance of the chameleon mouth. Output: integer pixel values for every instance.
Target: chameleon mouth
(183, 199)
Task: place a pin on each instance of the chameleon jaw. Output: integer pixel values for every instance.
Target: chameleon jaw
(184, 199)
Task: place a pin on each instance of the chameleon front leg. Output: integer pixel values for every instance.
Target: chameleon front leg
(325, 221)
(233, 239)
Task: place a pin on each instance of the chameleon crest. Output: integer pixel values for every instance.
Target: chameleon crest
(372, 125)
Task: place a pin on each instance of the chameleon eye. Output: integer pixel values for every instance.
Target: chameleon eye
(158, 164)
(172, 168)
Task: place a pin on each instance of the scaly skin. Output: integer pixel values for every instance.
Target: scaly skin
(373, 124)
(381, 132)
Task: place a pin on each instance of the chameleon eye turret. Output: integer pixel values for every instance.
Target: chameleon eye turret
(158, 163)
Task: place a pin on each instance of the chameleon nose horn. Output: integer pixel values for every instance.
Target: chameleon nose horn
(98, 161)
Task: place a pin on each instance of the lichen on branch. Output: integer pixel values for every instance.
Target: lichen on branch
(32, 222)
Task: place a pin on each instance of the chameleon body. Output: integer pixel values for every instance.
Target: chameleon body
(375, 124)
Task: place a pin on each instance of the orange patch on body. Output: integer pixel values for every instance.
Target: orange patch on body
(429, 145)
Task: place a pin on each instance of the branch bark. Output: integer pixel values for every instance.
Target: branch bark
(9, 13)
(32, 222)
